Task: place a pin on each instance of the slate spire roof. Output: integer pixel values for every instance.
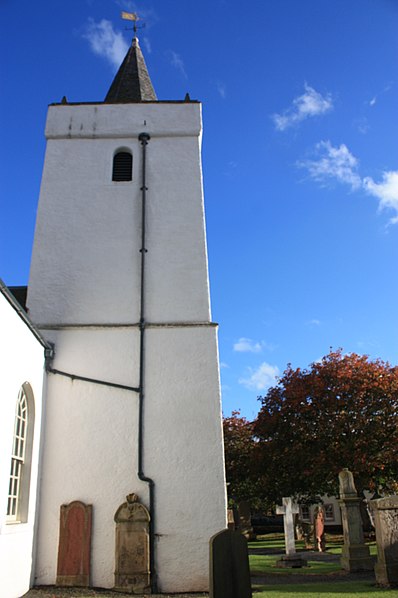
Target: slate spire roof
(132, 82)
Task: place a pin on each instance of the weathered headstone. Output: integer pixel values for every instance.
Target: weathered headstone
(292, 559)
(231, 519)
(245, 520)
(305, 531)
(385, 513)
(319, 528)
(73, 568)
(229, 566)
(355, 555)
(132, 572)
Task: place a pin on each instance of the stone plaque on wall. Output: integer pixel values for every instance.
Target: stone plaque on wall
(73, 567)
(132, 571)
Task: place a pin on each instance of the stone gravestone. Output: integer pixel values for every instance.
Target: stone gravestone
(132, 572)
(319, 528)
(229, 566)
(305, 531)
(73, 568)
(245, 520)
(355, 555)
(231, 518)
(385, 513)
(292, 559)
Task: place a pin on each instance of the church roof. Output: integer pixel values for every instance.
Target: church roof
(11, 294)
(132, 82)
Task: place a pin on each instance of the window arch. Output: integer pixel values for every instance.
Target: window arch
(21, 456)
(122, 166)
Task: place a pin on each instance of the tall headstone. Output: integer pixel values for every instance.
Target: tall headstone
(229, 566)
(292, 559)
(355, 555)
(245, 521)
(73, 568)
(132, 572)
(385, 513)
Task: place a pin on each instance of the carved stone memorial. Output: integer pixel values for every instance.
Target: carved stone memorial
(291, 559)
(132, 572)
(73, 568)
(355, 555)
(385, 513)
(229, 566)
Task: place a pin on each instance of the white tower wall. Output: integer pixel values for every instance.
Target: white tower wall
(84, 293)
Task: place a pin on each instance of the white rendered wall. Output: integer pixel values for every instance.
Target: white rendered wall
(84, 292)
(22, 360)
(97, 245)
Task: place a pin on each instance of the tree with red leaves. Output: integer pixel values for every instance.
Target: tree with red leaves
(239, 447)
(341, 412)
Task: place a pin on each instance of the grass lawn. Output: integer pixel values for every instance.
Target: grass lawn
(264, 564)
(349, 589)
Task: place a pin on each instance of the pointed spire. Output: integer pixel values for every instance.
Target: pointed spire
(132, 82)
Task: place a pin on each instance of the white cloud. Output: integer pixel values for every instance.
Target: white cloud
(177, 62)
(362, 125)
(223, 365)
(338, 163)
(310, 103)
(247, 345)
(333, 163)
(386, 191)
(372, 102)
(221, 89)
(105, 41)
(147, 45)
(261, 378)
(314, 322)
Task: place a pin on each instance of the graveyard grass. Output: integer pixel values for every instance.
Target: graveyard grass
(341, 589)
(264, 564)
(261, 564)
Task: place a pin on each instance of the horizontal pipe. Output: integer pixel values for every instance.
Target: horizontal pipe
(92, 380)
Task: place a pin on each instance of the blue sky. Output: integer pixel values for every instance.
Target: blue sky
(300, 159)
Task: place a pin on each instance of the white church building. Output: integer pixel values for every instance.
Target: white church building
(129, 400)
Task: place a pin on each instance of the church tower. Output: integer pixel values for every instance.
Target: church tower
(119, 285)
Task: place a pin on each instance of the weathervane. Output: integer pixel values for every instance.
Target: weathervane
(132, 16)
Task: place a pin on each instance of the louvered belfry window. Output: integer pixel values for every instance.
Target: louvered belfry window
(122, 167)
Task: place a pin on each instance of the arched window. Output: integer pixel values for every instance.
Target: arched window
(18, 491)
(122, 166)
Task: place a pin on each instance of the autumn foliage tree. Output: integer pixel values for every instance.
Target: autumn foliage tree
(341, 412)
(239, 447)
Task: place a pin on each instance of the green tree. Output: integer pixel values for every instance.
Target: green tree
(341, 412)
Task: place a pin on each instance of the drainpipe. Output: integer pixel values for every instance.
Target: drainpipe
(144, 138)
